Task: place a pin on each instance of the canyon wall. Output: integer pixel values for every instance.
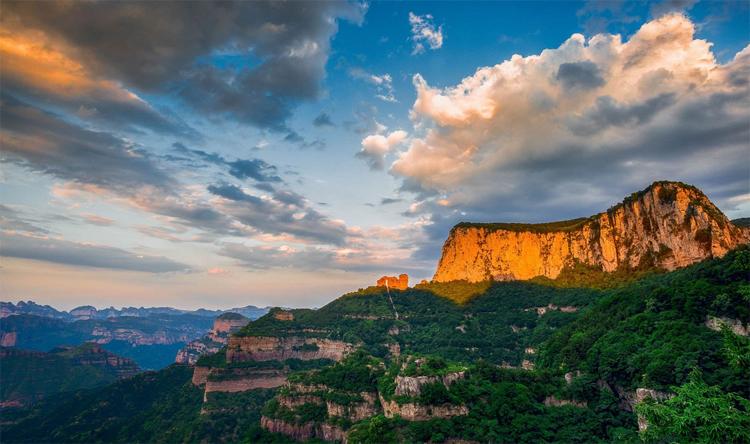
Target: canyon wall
(668, 225)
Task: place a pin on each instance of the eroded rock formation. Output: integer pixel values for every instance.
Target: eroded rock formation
(399, 283)
(668, 225)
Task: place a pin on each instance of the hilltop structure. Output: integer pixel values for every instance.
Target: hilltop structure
(399, 283)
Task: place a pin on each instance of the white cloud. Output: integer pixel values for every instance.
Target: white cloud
(597, 117)
(383, 83)
(423, 32)
(376, 146)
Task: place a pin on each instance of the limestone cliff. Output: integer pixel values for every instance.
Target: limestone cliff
(668, 225)
(265, 348)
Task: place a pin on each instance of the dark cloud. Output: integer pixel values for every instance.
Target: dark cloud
(72, 253)
(607, 112)
(255, 169)
(579, 75)
(284, 213)
(170, 45)
(323, 119)
(203, 155)
(44, 142)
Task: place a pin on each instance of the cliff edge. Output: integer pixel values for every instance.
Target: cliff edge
(668, 225)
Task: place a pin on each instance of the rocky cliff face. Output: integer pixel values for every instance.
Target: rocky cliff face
(266, 348)
(668, 225)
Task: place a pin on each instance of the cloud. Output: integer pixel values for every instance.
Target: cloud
(34, 69)
(376, 146)
(98, 220)
(259, 170)
(323, 119)
(365, 255)
(256, 169)
(579, 75)
(597, 117)
(43, 142)
(11, 221)
(266, 257)
(390, 200)
(285, 212)
(383, 83)
(423, 32)
(86, 255)
(173, 47)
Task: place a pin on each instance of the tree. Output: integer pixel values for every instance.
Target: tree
(697, 413)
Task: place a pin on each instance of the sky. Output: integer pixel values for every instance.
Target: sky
(201, 154)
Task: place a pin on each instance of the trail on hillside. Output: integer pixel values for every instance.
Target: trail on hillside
(393, 306)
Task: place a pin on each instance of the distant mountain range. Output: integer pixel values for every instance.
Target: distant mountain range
(89, 312)
(150, 336)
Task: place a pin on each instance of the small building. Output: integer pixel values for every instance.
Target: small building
(399, 283)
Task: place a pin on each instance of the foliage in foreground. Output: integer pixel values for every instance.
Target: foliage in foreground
(697, 413)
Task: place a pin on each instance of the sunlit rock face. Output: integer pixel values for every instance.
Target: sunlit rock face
(668, 225)
(400, 283)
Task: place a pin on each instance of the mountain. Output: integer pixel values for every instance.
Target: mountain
(224, 326)
(31, 308)
(501, 360)
(515, 362)
(666, 226)
(152, 341)
(150, 336)
(86, 312)
(29, 376)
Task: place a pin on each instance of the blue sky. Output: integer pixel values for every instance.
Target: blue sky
(282, 154)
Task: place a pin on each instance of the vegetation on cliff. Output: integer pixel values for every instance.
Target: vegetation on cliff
(652, 332)
(28, 376)
(154, 407)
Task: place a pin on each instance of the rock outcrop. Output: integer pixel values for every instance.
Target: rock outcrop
(668, 225)
(240, 380)
(734, 325)
(224, 326)
(298, 432)
(8, 339)
(412, 411)
(399, 283)
(267, 348)
(552, 401)
(412, 385)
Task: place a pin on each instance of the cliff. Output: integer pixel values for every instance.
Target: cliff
(266, 348)
(667, 226)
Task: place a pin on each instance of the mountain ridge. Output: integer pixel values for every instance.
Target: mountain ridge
(667, 225)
